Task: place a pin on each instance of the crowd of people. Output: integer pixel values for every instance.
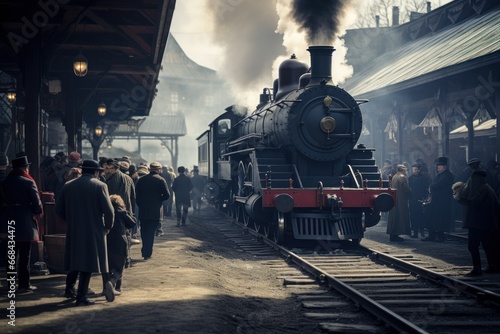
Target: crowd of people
(106, 205)
(425, 204)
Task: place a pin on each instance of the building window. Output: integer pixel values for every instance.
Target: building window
(203, 153)
(174, 102)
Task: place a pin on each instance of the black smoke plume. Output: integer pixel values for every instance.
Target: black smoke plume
(320, 19)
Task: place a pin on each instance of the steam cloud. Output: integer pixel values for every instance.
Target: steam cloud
(320, 19)
(257, 36)
(245, 29)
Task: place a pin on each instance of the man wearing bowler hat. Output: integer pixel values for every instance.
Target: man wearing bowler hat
(85, 206)
(439, 212)
(21, 209)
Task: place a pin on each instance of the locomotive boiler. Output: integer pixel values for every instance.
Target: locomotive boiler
(292, 169)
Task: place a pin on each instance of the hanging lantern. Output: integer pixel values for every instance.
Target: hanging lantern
(11, 96)
(101, 109)
(98, 131)
(80, 65)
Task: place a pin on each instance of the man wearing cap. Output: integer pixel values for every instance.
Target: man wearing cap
(151, 191)
(21, 209)
(439, 213)
(124, 167)
(142, 170)
(182, 187)
(85, 206)
(121, 184)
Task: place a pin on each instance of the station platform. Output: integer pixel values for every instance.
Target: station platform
(451, 256)
(197, 281)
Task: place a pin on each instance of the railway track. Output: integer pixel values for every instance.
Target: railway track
(339, 289)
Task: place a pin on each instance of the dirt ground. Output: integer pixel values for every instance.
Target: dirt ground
(197, 281)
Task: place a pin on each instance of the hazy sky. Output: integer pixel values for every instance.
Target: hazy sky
(194, 29)
(246, 40)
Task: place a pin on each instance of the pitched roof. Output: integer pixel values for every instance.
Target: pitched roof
(176, 64)
(455, 49)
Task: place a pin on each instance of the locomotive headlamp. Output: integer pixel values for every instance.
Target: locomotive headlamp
(327, 101)
(327, 124)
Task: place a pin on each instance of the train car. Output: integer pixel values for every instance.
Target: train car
(293, 169)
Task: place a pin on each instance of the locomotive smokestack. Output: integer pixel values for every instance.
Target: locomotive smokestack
(321, 64)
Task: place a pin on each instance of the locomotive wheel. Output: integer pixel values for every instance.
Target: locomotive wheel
(278, 227)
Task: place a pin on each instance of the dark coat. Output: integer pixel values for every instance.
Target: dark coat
(439, 212)
(182, 187)
(419, 185)
(121, 184)
(19, 201)
(399, 217)
(481, 203)
(85, 206)
(151, 191)
(117, 239)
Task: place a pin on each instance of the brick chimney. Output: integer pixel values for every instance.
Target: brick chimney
(395, 16)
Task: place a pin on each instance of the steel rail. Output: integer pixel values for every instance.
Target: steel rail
(390, 318)
(470, 290)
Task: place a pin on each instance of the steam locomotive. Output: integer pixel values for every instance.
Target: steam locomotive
(291, 169)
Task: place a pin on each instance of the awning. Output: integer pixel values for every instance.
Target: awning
(485, 129)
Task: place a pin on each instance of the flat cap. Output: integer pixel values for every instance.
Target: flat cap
(474, 161)
(155, 165)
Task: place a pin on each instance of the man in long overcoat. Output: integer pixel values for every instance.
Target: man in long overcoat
(481, 205)
(151, 191)
(20, 211)
(419, 185)
(182, 188)
(121, 184)
(399, 217)
(85, 206)
(438, 215)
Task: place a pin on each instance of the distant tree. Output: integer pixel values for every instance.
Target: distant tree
(383, 8)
